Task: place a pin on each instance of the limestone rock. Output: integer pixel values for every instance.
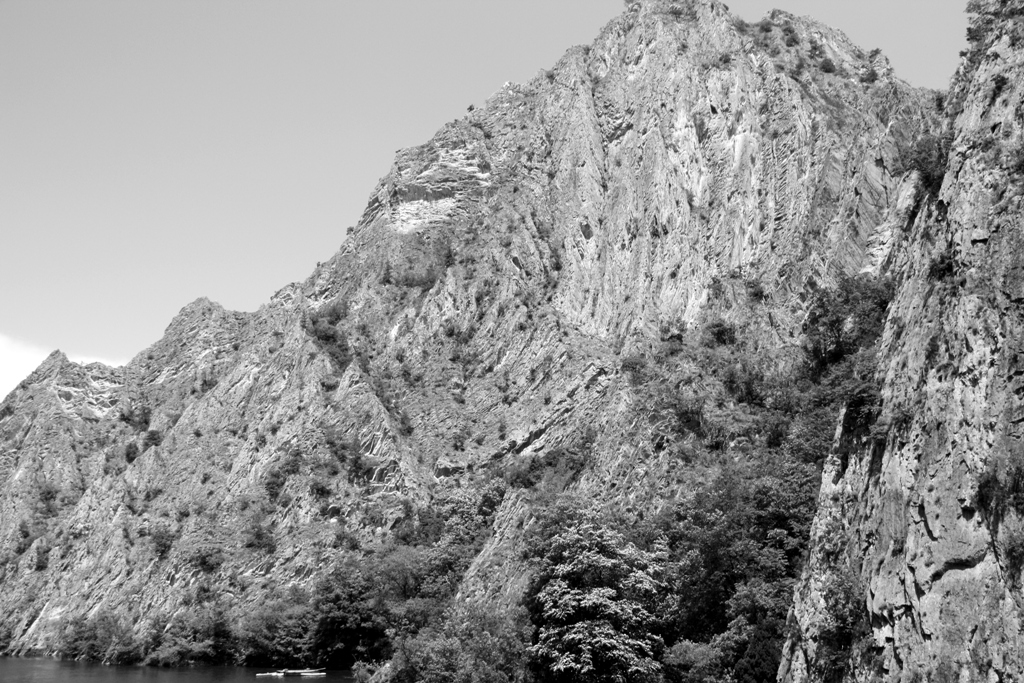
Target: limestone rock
(476, 315)
(904, 511)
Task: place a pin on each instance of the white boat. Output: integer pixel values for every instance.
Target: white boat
(281, 673)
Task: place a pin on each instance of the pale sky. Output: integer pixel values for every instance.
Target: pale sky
(155, 152)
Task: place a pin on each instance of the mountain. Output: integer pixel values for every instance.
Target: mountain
(925, 512)
(644, 288)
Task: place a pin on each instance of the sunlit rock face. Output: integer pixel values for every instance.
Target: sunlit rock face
(478, 315)
(923, 510)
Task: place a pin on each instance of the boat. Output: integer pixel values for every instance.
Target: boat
(281, 673)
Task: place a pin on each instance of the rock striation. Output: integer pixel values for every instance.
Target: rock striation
(921, 513)
(480, 312)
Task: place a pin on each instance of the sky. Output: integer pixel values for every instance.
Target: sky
(155, 152)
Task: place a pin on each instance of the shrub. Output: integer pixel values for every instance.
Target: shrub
(323, 326)
(1001, 488)
(259, 537)
(319, 488)
(343, 449)
(718, 333)
(162, 539)
(207, 559)
(929, 156)
(348, 622)
(634, 366)
(942, 268)
(131, 452)
(828, 66)
(291, 464)
(137, 416)
(474, 644)
(274, 483)
(842, 320)
(102, 637)
(152, 438)
(201, 634)
(276, 632)
(846, 620)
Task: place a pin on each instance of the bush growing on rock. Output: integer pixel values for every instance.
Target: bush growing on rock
(162, 539)
(929, 156)
(843, 320)
(322, 325)
(103, 637)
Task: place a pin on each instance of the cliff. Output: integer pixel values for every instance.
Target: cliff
(923, 513)
(684, 168)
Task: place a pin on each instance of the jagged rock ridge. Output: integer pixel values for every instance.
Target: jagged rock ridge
(476, 315)
(922, 512)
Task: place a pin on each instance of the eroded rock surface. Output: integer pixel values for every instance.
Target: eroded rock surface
(477, 315)
(917, 517)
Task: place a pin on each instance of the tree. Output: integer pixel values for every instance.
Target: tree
(348, 623)
(842, 320)
(474, 645)
(594, 603)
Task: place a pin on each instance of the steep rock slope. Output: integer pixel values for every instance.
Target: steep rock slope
(475, 317)
(922, 517)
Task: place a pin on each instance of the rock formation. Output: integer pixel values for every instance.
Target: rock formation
(924, 512)
(480, 312)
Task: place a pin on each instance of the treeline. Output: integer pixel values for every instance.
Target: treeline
(698, 592)
(372, 600)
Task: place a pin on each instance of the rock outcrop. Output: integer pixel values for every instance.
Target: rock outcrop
(479, 313)
(921, 517)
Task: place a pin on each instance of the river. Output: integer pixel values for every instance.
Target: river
(17, 670)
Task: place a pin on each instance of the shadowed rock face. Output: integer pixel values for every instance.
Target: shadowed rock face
(476, 315)
(923, 514)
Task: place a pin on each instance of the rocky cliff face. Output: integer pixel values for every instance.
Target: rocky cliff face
(479, 313)
(923, 515)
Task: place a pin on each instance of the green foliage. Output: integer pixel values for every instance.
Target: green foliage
(102, 637)
(6, 638)
(276, 632)
(163, 540)
(634, 366)
(349, 622)
(594, 602)
(152, 438)
(828, 66)
(137, 416)
(473, 645)
(942, 267)
(207, 558)
(259, 537)
(843, 320)
(274, 483)
(199, 634)
(555, 468)
(929, 156)
(319, 488)
(735, 550)
(1001, 492)
(323, 326)
(717, 332)
(131, 452)
(845, 621)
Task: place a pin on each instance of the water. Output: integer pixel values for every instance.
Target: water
(17, 670)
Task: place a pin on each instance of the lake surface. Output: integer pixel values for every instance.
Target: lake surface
(16, 670)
